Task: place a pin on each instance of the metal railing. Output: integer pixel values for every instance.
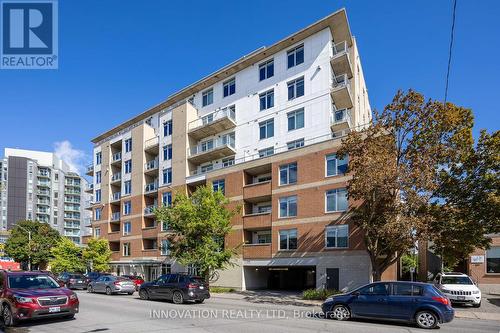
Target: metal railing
(207, 146)
(341, 116)
(339, 48)
(149, 209)
(90, 168)
(151, 186)
(151, 165)
(228, 112)
(341, 81)
(117, 156)
(117, 176)
(116, 196)
(115, 216)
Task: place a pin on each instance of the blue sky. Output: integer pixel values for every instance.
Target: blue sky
(118, 58)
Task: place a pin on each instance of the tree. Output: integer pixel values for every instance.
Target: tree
(97, 254)
(199, 225)
(394, 164)
(67, 257)
(469, 201)
(43, 238)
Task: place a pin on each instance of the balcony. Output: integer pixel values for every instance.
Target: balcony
(44, 202)
(43, 193)
(149, 210)
(116, 197)
(152, 145)
(151, 187)
(340, 120)
(341, 92)
(72, 182)
(257, 191)
(71, 200)
(151, 167)
(340, 62)
(257, 220)
(90, 170)
(72, 191)
(72, 208)
(42, 218)
(212, 123)
(43, 183)
(89, 188)
(116, 158)
(149, 233)
(71, 216)
(212, 149)
(69, 225)
(116, 177)
(43, 174)
(43, 211)
(73, 233)
(115, 216)
(257, 251)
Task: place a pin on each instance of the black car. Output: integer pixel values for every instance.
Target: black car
(92, 276)
(73, 280)
(178, 288)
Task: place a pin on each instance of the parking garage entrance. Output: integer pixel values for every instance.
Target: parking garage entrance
(280, 277)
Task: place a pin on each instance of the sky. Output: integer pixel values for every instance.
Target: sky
(117, 58)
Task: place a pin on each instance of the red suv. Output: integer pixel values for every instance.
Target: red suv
(26, 295)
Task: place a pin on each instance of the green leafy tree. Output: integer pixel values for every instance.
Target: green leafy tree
(97, 254)
(43, 239)
(394, 165)
(67, 257)
(199, 225)
(409, 261)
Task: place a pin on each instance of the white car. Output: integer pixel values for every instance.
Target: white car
(459, 288)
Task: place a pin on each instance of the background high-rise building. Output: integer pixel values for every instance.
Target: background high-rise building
(40, 186)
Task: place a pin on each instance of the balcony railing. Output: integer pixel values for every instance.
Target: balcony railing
(341, 116)
(340, 61)
(90, 170)
(212, 123)
(72, 191)
(148, 210)
(116, 177)
(151, 165)
(115, 216)
(151, 143)
(151, 187)
(89, 188)
(341, 91)
(340, 81)
(43, 193)
(47, 184)
(117, 156)
(116, 196)
(339, 48)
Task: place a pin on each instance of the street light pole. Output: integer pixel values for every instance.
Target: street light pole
(29, 245)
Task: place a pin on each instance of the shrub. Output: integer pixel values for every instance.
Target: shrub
(221, 290)
(318, 294)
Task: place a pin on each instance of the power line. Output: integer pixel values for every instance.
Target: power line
(450, 51)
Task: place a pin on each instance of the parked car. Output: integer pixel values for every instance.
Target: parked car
(110, 285)
(178, 288)
(29, 295)
(73, 280)
(459, 288)
(414, 302)
(92, 276)
(137, 280)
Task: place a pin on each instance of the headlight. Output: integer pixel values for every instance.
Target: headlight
(476, 292)
(21, 299)
(73, 296)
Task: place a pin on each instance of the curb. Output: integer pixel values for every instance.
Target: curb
(477, 315)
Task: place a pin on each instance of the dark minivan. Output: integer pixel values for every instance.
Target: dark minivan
(413, 302)
(177, 288)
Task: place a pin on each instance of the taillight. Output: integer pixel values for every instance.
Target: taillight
(191, 285)
(442, 300)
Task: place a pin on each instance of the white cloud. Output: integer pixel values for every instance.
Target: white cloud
(75, 158)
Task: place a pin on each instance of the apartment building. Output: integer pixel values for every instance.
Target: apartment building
(264, 130)
(39, 186)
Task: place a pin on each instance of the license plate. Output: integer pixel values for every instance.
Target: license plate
(54, 309)
(461, 297)
(202, 287)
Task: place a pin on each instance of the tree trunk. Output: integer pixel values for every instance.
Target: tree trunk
(376, 274)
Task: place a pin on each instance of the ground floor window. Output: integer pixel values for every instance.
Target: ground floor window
(493, 260)
(166, 269)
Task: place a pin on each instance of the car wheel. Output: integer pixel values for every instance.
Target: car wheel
(177, 297)
(199, 301)
(476, 305)
(426, 319)
(90, 289)
(8, 317)
(71, 316)
(108, 291)
(143, 294)
(341, 312)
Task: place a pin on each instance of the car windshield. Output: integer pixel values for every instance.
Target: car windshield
(32, 282)
(456, 280)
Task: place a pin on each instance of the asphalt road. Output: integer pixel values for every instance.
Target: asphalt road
(123, 313)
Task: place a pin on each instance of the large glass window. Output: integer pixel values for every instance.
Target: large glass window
(127, 228)
(266, 70)
(98, 177)
(126, 249)
(229, 87)
(166, 199)
(127, 207)
(167, 176)
(295, 56)
(128, 166)
(97, 195)
(98, 158)
(127, 187)
(167, 128)
(288, 206)
(336, 166)
(288, 239)
(219, 185)
(207, 97)
(167, 152)
(266, 129)
(128, 145)
(266, 100)
(165, 247)
(493, 260)
(295, 119)
(336, 200)
(266, 152)
(296, 88)
(336, 236)
(295, 144)
(288, 174)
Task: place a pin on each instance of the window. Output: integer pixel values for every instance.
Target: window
(229, 87)
(128, 166)
(167, 152)
(126, 249)
(127, 187)
(219, 185)
(295, 56)
(128, 145)
(336, 200)
(167, 128)
(266, 129)
(266, 70)
(295, 88)
(166, 199)
(406, 289)
(335, 166)
(97, 214)
(127, 207)
(97, 232)
(207, 145)
(127, 228)
(264, 237)
(375, 289)
(288, 206)
(288, 174)
(165, 247)
(167, 176)
(295, 144)
(266, 152)
(207, 97)
(56, 177)
(266, 100)
(97, 195)
(493, 260)
(98, 158)
(295, 119)
(336, 236)
(207, 167)
(164, 226)
(98, 177)
(288, 239)
(226, 162)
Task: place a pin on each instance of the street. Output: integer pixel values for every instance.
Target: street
(123, 313)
